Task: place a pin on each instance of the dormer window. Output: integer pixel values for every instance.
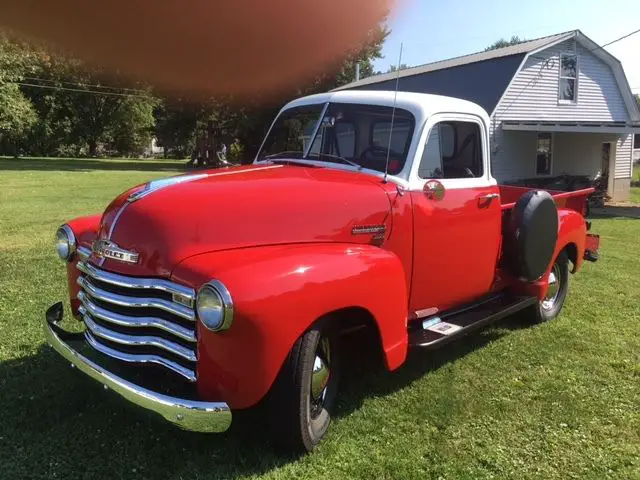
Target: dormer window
(568, 87)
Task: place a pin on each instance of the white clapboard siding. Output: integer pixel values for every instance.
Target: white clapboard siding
(533, 96)
(624, 157)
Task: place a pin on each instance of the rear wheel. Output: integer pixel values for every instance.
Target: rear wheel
(305, 391)
(550, 307)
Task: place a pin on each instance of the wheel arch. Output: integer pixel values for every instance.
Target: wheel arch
(278, 293)
(360, 327)
(571, 249)
(572, 234)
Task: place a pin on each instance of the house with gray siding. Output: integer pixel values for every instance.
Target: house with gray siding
(558, 105)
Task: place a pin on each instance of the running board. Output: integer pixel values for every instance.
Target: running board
(433, 332)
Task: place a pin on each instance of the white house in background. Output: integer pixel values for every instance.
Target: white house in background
(559, 105)
(153, 149)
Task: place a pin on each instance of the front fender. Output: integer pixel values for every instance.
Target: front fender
(278, 292)
(85, 229)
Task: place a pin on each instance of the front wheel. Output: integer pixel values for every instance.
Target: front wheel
(550, 307)
(305, 391)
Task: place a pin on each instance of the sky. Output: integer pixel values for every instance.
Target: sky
(431, 30)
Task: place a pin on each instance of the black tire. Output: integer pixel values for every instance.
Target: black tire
(297, 422)
(550, 307)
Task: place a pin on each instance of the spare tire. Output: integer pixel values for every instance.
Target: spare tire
(532, 235)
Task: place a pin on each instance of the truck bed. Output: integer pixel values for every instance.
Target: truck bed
(575, 200)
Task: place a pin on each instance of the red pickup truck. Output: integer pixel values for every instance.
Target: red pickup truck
(362, 209)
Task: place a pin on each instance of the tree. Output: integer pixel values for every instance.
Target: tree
(515, 40)
(132, 127)
(181, 125)
(637, 100)
(17, 115)
(79, 115)
(394, 68)
(52, 104)
(55, 105)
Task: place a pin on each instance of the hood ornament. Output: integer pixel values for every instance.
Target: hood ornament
(107, 249)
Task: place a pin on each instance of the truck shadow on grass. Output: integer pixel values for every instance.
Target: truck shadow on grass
(55, 422)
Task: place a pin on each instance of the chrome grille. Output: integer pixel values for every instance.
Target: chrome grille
(143, 320)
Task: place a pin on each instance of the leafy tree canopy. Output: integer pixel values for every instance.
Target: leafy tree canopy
(515, 40)
(52, 104)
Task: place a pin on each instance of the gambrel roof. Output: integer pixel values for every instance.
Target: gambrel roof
(484, 77)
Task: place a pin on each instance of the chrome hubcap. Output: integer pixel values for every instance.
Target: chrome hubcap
(554, 287)
(320, 377)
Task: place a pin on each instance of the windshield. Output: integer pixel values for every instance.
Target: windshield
(352, 134)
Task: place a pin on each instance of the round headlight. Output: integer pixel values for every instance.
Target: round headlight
(214, 306)
(65, 243)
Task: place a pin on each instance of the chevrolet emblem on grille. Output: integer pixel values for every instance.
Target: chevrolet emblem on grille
(107, 249)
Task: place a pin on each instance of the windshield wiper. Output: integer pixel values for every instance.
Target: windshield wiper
(286, 153)
(288, 158)
(342, 159)
(292, 161)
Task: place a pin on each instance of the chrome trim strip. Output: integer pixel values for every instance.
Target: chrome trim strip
(136, 322)
(135, 302)
(136, 340)
(188, 414)
(83, 253)
(155, 185)
(187, 373)
(115, 219)
(133, 282)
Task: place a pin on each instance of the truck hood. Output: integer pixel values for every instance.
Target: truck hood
(169, 220)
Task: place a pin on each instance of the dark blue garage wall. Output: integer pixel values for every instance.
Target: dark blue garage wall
(481, 82)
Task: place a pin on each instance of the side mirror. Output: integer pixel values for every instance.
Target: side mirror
(434, 190)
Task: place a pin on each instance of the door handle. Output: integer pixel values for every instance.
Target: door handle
(485, 200)
(489, 196)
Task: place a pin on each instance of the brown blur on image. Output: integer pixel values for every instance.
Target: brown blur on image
(202, 47)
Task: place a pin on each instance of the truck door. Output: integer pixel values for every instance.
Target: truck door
(456, 214)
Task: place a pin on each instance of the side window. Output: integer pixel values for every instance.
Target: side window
(568, 86)
(453, 150)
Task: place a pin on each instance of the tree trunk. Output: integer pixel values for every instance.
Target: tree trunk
(93, 148)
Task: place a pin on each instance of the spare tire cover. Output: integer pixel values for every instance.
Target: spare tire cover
(533, 235)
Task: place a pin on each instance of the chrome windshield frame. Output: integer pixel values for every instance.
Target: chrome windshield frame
(316, 129)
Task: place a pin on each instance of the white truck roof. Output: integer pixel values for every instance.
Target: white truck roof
(422, 105)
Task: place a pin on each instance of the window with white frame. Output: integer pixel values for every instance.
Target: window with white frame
(568, 86)
(453, 150)
(544, 154)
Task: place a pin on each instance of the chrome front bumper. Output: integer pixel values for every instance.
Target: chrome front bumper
(187, 414)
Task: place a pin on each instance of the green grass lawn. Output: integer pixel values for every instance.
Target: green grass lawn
(560, 400)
